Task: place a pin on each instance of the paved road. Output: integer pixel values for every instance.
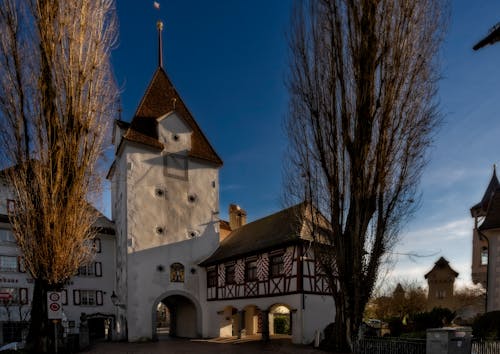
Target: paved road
(183, 346)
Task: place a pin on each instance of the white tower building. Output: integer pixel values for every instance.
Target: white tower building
(165, 201)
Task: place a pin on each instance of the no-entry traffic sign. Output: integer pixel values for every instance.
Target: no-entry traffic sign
(54, 305)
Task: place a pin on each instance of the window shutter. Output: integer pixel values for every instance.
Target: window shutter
(98, 269)
(20, 264)
(64, 295)
(23, 296)
(98, 297)
(76, 297)
(97, 245)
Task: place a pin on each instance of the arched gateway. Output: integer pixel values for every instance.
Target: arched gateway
(185, 315)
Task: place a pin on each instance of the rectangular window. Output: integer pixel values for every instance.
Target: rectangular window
(176, 166)
(87, 297)
(7, 236)
(251, 271)
(8, 263)
(230, 279)
(87, 270)
(93, 269)
(276, 266)
(211, 278)
(484, 256)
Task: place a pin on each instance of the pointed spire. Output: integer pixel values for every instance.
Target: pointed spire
(159, 26)
(480, 208)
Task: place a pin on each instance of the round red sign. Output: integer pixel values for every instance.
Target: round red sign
(54, 307)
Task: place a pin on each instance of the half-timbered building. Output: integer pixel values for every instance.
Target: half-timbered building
(267, 268)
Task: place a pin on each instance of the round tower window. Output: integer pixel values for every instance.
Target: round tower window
(159, 192)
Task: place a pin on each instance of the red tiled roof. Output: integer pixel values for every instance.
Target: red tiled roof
(137, 137)
(272, 231)
(161, 98)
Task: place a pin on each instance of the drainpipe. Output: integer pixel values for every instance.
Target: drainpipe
(481, 235)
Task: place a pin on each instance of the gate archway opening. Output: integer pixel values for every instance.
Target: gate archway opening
(176, 316)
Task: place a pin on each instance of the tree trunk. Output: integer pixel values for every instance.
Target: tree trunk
(341, 334)
(39, 326)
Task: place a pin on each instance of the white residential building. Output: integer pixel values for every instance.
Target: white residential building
(88, 292)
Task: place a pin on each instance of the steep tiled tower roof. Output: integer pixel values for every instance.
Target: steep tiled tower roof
(481, 208)
(489, 206)
(161, 98)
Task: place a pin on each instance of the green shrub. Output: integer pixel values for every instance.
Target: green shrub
(487, 326)
(281, 324)
(395, 326)
(436, 318)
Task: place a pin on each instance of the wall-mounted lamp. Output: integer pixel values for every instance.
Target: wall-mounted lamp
(114, 300)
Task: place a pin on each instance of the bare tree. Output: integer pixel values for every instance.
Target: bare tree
(406, 299)
(57, 95)
(362, 84)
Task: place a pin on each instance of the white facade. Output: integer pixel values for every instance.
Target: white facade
(166, 212)
(493, 284)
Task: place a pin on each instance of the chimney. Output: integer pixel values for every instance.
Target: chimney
(237, 216)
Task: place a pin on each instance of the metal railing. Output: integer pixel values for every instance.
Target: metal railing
(390, 346)
(485, 347)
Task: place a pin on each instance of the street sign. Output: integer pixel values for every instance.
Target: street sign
(5, 296)
(54, 305)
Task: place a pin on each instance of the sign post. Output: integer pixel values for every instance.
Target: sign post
(54, 311)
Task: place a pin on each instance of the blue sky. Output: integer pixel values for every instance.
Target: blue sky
(228, 60)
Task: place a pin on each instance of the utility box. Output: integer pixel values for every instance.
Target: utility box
(449, 340)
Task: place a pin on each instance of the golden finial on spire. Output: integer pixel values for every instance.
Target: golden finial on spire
(159, 26)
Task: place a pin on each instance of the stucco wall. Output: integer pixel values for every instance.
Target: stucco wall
(184, 210)
(493, 291)
(314, 314)
(318, 312)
